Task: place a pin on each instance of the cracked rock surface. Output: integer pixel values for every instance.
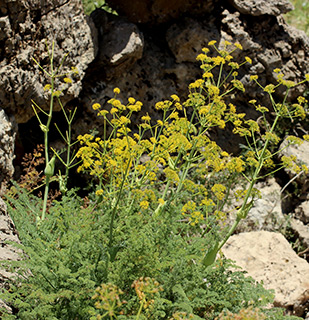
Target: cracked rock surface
(26, 28)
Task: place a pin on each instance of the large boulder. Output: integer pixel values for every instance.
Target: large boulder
(26, 28)
(268, 257)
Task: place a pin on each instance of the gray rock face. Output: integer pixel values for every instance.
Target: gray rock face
(301, 231)
(7, 251)
(300, 224)
(7, 142)
(120, 44)
(302, 212)
(26, 27)
(266, 214)
(260, 7)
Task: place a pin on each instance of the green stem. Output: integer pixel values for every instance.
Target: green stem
(140, 310)
(46, 140)
(243, 211)
(111, 226)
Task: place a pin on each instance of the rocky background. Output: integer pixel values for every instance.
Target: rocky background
(149, 51)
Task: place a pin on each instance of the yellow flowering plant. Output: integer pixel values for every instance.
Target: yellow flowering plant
(148, 234)
(173, 163)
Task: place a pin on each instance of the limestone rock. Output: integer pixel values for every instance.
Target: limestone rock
(268, 257)
(120, 44)
(266, 214)
(7, 233)
(7, 251)
(301, 230)
(7, 142)
(26, 27)
(302, 212)
(261, 7)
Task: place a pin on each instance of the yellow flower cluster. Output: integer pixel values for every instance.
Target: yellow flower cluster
(146, 289)
(157, 159)
(189, 209)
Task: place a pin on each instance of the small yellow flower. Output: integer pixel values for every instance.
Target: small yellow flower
(74, 70)
(306, 137)
(207, 74)
(196, 84)
(47, 87)
(124, 120)
(57, 93)
(213, 90)
(228, 57)
(175, 97)
(204, 110)
(218, 60)
(305, 168)
(201, 57)
(139, 104)
(116, 90)
(238, 85)
(146, 118)
(99, 192)
(248, 60)
(253, 77)
(288, 83)
(67, 80)
(96, 106)
(174, 115)
(218, 190)
(131, 100)
(301, 99)
(116, 103)
(211, 43)
(277, 70)
(144, 204)
(270, 88)
(161, 201)
(261, 109)
(102, 113)
(137, 136)
(307, 77)
(234, 65)
(178, 106)
(112, 163)
(114, 110)
(238, 45)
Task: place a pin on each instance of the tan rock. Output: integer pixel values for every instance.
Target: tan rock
(302, 231)
(268, 257)
(7, 251)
